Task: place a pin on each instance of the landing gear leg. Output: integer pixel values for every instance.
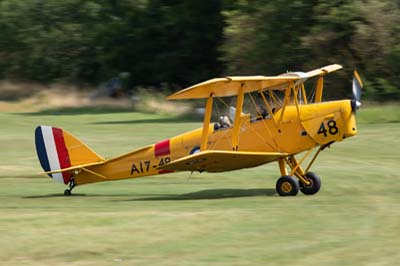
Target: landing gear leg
(309, 182)
(71, 185)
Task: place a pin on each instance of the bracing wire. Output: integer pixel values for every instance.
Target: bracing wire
(217, 108)
(312, 94)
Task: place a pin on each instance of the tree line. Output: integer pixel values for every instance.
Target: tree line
(182, 42)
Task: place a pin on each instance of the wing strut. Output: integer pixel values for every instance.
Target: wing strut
(320, 88)
(286, 100)
(236, 124)
(206, 123)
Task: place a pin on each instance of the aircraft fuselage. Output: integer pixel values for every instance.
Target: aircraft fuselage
(298, 129)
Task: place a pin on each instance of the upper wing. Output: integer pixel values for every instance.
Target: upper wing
(219, 161)
(302, 76)
(229, 86)
(323, 70)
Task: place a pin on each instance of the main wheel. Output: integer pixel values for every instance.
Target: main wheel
(315, 184)
(287, 186)
(67, 192)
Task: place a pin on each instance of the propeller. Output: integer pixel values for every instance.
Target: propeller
(357, 85)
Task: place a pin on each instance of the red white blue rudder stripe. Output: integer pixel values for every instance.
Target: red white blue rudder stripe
(52, 152)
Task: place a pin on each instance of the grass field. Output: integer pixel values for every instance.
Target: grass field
(233, 218)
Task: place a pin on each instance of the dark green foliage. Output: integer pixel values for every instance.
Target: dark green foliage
(274, 36)
(179, 43)
(168, 41)
(156, 41)
(47, 40)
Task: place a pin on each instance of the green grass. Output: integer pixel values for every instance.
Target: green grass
(233, 218)
(379, 113)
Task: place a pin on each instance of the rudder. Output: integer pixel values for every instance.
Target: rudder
(57, 150)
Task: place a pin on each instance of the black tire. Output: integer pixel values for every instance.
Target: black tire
(287, 186)
(67, 192)
(315, 185)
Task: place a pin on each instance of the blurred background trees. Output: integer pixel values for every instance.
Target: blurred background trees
(181, 42)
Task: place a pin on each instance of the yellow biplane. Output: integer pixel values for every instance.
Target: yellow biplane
(284, 124)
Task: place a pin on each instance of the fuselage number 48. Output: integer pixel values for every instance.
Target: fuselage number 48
(330, 128)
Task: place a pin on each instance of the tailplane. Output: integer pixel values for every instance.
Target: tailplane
(57, 150)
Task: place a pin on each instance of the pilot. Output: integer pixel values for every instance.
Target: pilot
(224, 121)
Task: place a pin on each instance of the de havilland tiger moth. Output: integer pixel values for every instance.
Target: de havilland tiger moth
(286, 124)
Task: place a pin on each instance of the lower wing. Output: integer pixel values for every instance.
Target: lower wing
(220, 161)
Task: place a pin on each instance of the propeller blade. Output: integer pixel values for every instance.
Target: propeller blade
(357, 85)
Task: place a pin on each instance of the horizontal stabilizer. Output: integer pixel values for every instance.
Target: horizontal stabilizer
(219, 161)
(82, 166)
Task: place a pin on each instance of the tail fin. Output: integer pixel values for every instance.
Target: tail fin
(57, 150)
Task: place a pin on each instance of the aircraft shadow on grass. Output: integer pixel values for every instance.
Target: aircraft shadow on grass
(212, 194)
(89, 195)
(207, 194)
(60, 195)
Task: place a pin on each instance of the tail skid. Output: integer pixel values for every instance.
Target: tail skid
(59, 153)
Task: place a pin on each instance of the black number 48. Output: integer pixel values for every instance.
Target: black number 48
(332, 128)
